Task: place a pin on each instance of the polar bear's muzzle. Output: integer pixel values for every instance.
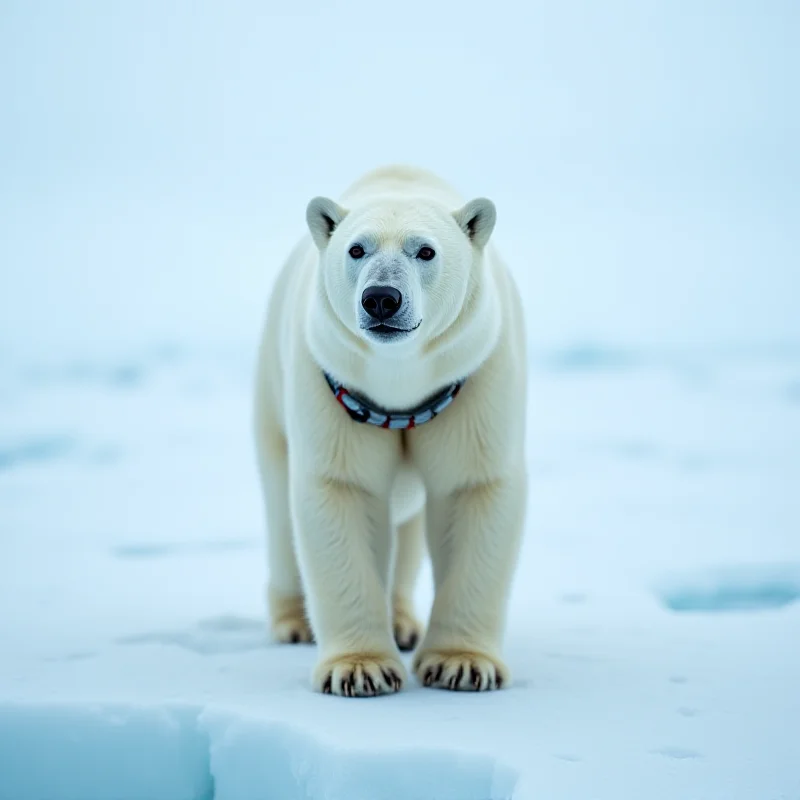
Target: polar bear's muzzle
(386, 315)
(387, 297)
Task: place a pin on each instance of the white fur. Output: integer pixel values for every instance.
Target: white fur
(342, 497)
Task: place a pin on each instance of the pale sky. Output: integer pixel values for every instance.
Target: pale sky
(157, 158)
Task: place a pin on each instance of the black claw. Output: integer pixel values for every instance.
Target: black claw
(499, 681)
(326, 687)
(476, 679)
(455, 679)
(459, 676)
(428, 679)
(294, 638)
(391, 678)
(438, 675)
(369, 685)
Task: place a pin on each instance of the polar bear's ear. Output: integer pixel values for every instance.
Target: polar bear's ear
(322, 216)
(477, 220)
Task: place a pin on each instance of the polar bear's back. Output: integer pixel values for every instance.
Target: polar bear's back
(401, 181)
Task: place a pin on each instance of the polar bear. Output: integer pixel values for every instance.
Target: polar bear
(390, 412)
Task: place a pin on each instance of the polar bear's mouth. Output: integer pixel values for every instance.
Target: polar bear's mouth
(389, 330)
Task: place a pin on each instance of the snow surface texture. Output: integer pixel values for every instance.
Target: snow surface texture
(653, 633)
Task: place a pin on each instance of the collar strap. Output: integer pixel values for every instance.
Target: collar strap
(362, 410)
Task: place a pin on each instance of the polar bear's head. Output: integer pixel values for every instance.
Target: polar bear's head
(399, 271)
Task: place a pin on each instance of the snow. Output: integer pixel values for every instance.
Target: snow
(653, 628)
(156, 160)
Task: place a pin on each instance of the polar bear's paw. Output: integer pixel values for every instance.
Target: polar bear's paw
(359, 675)
(460, 670)
(289, 622)
(293, 631)
(407, 628)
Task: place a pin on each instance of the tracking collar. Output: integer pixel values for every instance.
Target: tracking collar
(362, 410)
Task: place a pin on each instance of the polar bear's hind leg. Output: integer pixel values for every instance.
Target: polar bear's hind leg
(409, 551)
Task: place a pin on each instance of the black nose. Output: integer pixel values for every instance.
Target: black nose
(381, 302)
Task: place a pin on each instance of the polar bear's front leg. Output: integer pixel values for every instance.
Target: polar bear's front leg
(285, 590)
(342, 534)
(474, 536)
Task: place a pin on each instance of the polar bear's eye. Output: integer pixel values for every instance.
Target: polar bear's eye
(426, 253)
(356, 251)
